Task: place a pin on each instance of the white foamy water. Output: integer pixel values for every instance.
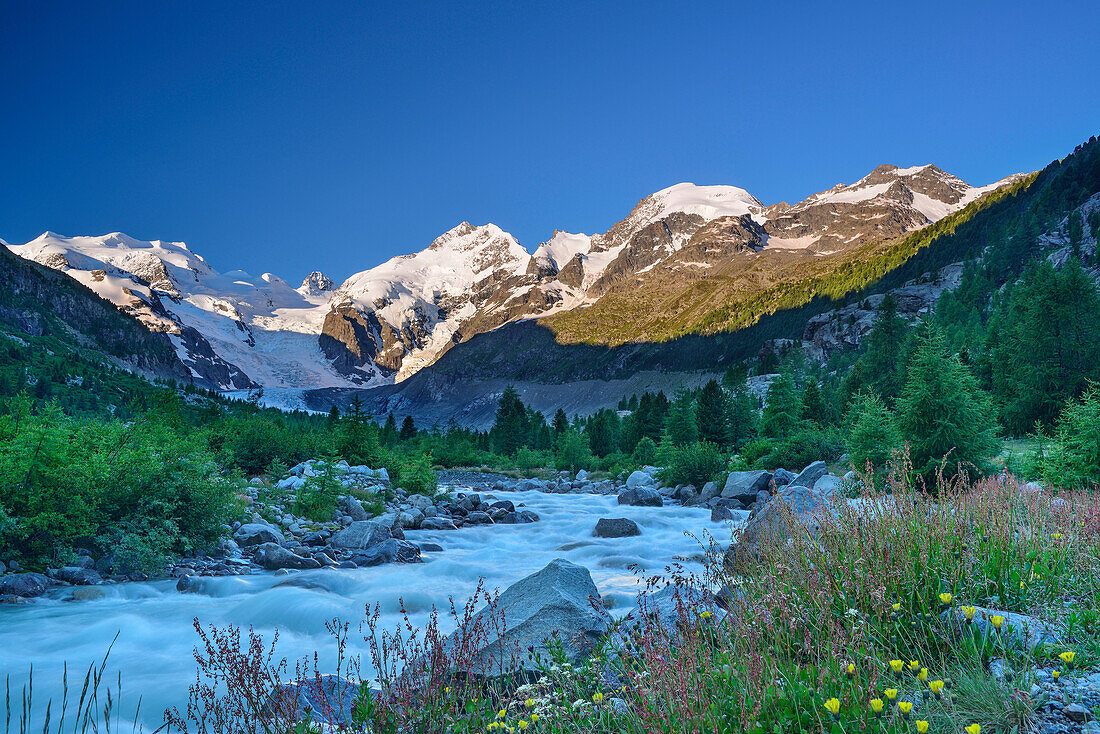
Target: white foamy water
(154, 621)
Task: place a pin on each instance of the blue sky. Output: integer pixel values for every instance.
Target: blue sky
(289, 136)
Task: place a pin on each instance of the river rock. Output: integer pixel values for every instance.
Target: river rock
(641, 496)
(362, 534)
(558, 599)
(616, 527)
(1018, 630)
(782, 478)
(78, 576)
(255, 533)
(353, 508)
(273, 557)
(640, 479)
(809, 476)
(505, 505)
(390, 550)
(23, 585)
(794, 504)
(743, 485)
(437, 523)
(326, 700)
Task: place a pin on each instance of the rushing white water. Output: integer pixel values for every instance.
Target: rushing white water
(154, 621)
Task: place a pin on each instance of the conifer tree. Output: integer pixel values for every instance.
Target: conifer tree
(561, 423)
(813, 405)
(781, 407)
(510, 428)
(408, 429)
(943, 413)
(872, 431)
(680, 426)
(712, 414)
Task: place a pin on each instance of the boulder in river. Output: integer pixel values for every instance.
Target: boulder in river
(23, 584)
(559, 600)
(616, 527)
(390, 550)
(273, 557)
(640, 479)
(362, 534)
(437, 523)
(79, 576)
(641, 496)
(743, 485)
(256, 533)
(808, 477)
(327, 700)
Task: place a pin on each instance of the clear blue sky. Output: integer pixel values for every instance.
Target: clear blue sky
(290, 136)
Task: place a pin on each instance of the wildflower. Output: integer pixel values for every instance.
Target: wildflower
(896, 606)
(534, 718)
(522, 724)
(997, 620)
(447, 689)
(704, 615)
(1057, 536)
(529, 703)
(974, 729)
(501, 714)
(905, 707)
(945, 598)
(896, 665)
(914, 665)
(833, 706)
(923, 674)
(891, 693)
(1021, 584)
(1055, 673)
(922, 726)
(936, 686)
(876, 705)
(969, 613)
(851, 670)
(597, 697)
(1068, 656)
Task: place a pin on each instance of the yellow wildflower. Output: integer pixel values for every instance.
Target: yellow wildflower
(447, 689)
(936, 686)
(704, 615)
(891, 693)
(969, 613)
(914, 665)
(529, 702)
(896, 665)
(974, 729)
(922, 726)
(597, 697)
(501, 714)
(522, 724)
(876, 705)
(1055, 673)
(997, 621)
(945, 598)
(1057, 536)
(905, 707)
(896, 606)
(1068, 656)
(833, 706)
(851, 670)
(534, 718)
(923, 674)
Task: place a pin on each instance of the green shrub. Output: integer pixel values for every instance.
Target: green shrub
(697, 463)
(417, 476)
(571, 452)
(645, 453)
(873, 436)
(529, 461)
(803, 447)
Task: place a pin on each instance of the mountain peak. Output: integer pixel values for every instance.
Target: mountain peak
(316, 283)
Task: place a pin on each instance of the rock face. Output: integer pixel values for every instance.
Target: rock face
(616, 527)
(560, 599)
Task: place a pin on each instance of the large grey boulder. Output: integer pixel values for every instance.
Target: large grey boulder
(327, 700)
(391, 550)
(782, 478)
(273, 557)
(558, 600)
(640, 479)
(79, 576)
(363, 534)
(793, 506)
(23, 584)
(437, 523)
(828, 485)
(353, 508)
(743, 485)
(809, 476)
(708, 492)
(616, 527)
(255, 533)
(641, 497)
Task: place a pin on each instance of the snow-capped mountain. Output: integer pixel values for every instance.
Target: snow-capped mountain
(236, 331)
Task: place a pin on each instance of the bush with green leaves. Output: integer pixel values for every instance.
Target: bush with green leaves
(571, 452)
(802, 447)
(873, 435)
(416, 476)
(696, 464)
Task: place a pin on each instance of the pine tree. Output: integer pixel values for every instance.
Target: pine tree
(408, 429)
(712, 415)
(561, 423)
(680, 426)
(781, 407)
(742, 417)
(510, 428)
(944, 414)
(603, 432)
(872, 431)
(813, 405)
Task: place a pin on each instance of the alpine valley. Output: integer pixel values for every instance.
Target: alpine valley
(676, 286)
